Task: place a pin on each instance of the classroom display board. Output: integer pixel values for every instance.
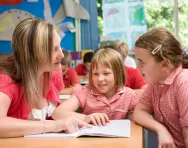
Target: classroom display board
(124, 20)
(13, 11)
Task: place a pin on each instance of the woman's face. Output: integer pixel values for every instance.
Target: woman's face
(57, 55)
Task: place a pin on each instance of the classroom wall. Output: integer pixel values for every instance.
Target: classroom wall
(89, 29)
(36, 9)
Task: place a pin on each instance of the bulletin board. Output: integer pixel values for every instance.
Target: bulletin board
(12, 11)
(124, 20)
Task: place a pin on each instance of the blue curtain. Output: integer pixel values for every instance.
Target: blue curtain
(89, 29)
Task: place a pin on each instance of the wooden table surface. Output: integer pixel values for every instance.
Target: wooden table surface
(135, 141)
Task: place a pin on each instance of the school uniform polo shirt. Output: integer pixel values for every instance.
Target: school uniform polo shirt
(70, 78)
(81, 70)
(18, 107)
(134, 78)
(169, 101)
(92, 101)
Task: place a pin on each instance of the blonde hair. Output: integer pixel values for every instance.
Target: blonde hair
(111, 59)
(67, 58)
(123, 49)
(120, 47)
(168, 46)
(32, 44)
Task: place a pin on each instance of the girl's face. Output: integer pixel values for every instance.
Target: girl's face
(150, 69)
(103, 80)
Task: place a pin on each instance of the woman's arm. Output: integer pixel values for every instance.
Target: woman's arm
(12, 127)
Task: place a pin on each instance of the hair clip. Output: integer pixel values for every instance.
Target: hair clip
(154, 51)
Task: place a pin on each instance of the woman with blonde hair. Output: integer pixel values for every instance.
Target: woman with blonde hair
(30, 82)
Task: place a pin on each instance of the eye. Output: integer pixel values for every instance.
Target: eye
(106, 73)
(57, 48)
(142, 63)
(95, 74)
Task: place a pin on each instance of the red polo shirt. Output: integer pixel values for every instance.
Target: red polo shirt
(18, 107)
(92, 101)
(134, 78)
(81, 70)
(70, 78)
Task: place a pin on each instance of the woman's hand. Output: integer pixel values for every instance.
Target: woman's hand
(69, 125)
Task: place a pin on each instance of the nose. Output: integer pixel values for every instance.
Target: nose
(61, 55)
(100, 77)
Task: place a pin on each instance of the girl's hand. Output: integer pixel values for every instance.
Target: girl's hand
(98, 119)
(165, 139)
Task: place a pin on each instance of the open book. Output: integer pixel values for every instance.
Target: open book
(116, 128)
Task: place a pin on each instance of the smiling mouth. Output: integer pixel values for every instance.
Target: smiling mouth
(101, 85)
(57, 63)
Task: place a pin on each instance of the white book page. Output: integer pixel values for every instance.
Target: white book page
(116, 128)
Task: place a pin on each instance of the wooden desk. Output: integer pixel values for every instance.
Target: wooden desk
(135, 141)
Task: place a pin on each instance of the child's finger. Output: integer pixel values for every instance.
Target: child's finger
(159, 146)
(93, 120)
(103, 120)
(106, 117)
(98, 119)
(174, 146)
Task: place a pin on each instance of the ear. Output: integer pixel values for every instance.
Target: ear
(166, 63)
